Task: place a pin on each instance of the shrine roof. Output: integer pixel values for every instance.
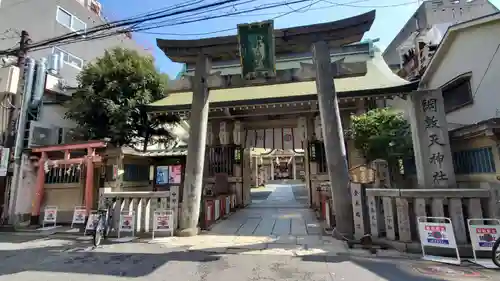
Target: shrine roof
(378, 81)
(288, 40)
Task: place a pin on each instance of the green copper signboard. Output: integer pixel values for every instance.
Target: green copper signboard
(256, 43)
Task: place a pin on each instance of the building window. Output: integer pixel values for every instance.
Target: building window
(68, 58)
(474, 161)
(68, 20)
(457, 93)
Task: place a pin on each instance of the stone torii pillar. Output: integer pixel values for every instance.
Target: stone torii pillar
(198, 121)
(333, 139)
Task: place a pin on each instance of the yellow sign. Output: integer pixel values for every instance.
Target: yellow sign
(362, 174)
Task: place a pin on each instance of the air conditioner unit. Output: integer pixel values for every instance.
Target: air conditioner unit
(41, 135)
(9, 80)
(65, 136)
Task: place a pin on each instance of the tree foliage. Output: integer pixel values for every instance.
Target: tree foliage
(111, 98)
(382, 134)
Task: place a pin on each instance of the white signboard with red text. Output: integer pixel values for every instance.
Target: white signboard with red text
(438, 233)
(49, 216)
(163, 222)
(483, 234)
(127, 223)
(79, 216)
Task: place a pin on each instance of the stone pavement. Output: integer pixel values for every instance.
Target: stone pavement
(31, 258)
(278, 222)
(262, 242)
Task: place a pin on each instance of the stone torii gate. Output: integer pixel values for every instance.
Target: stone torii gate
(318, 38)
(321, 38)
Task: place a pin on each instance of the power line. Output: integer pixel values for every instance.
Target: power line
(224, 15)
(240, 15)
(373, 6)
(120, 23)
(151, 12)
(184, 17)
(78, 37)
(333, 4)
(308, 8)
(132, 21)
(139, 19)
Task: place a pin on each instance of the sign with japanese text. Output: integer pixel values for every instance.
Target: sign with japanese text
(162, 175)
(163, 220)
(357, 209)
(437, 235)
(175, 174)
(484, 236)
(362, 174)
(434, 160)
(174, 197)
(79, 215)
(257, 47)
(126, 222)
(50, 214)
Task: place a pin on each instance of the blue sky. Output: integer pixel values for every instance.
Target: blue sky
(388, 21)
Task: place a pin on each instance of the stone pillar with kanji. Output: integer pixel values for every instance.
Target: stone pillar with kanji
(238, 171)
(433, 158)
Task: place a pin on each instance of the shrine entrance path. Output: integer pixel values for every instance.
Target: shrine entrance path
(278, 215)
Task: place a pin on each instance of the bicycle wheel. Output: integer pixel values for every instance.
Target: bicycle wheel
(495, 253)
(98, 233)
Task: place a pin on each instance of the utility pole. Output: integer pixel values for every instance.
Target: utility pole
(29, 78)
(334, 140)
(14, 113)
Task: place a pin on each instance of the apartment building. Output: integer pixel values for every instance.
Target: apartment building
(412, 48)
(47, 19)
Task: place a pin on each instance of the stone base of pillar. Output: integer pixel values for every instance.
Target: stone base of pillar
(34, 220)
(187, 232)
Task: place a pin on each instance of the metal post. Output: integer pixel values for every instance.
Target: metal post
(333, 139)
(19, 144)
(198, 121)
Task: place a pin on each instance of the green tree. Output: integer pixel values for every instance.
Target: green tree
(110, 102)
(382, 133)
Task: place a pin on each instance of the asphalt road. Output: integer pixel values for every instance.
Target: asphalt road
(29, 258)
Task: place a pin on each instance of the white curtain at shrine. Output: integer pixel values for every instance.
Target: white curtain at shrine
(275, 138)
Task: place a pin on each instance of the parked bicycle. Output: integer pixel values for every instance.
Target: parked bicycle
(104, 223)
(495, 252)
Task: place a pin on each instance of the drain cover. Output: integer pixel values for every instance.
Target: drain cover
(447, 271)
